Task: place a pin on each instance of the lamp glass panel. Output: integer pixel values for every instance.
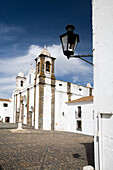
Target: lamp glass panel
(64, 42)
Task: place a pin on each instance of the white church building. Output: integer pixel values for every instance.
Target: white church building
(46, 101)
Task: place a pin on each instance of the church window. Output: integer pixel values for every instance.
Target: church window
(21, 83)
(80, 89)
(5, 105)
(62, 113)
(38, 68)
(48, 66)
(30, 79)
(79, 111)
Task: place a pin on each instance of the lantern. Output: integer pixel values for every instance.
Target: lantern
(69, 41)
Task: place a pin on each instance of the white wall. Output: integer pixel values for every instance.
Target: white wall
(87, 117)
(61, 97)
(6, 111)
(103, 81)
(47, 108)
(60, 106)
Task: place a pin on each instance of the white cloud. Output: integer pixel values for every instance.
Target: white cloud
(74, 79)
(10, 67)
(64, 66)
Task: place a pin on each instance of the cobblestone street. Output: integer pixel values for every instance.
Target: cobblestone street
(44, 150)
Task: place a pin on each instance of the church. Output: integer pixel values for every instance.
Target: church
(45, 98)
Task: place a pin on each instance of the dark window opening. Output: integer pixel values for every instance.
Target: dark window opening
(5, 105)
(60, 84)
(90, 92)
(21, 83)
(48, 66)
(79, 111)
(38, 68)
(7, 119)
(62, 113)
(79, 125)
(80, 89)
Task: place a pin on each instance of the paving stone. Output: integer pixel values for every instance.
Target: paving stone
(45, 150)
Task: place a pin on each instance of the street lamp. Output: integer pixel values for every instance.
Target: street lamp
(69, 42)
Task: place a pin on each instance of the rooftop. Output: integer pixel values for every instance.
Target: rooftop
(45, 52)
(6, 100)
(21, 74)
(82, 99)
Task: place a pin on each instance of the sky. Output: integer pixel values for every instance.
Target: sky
(26, 26)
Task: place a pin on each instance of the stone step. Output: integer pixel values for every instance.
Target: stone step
(13, 126)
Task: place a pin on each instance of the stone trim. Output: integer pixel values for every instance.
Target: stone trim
(69, 91)
(28, 121)
(52, 97)
(41, 102)
(42, 64)
(34, 101)
(52, 105)
(16, 109)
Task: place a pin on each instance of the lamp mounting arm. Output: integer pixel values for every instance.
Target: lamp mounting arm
(80, 56)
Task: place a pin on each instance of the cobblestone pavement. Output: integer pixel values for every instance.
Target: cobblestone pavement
(44, 150)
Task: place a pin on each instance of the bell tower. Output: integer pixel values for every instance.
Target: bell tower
(46, 82)
(20, 80)
(45, 64)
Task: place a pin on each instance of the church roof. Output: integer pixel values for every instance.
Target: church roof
(45, 52)
(21, 74)
(82, 99)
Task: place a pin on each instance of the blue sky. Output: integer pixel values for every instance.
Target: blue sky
(27, 25)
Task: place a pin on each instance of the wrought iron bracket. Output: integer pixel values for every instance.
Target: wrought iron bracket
(80, 56)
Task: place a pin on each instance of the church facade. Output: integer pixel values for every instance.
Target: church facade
(44, 98)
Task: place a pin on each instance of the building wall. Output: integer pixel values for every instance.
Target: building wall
(47, 108)
(103, 82)
(6, 111)
(87, 117)
(62, 96)
(60, 107)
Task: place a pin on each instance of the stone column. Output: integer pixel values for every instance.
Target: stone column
(41, 92)
(34, 100)
(69, 91)
(28, 107)
(16, 110)
(20, 115)
(52, 97)
(52, 103)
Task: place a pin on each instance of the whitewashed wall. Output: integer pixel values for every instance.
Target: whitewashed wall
(47, 108)
(37, 107)
(103, 82)
(6, 111)
(78, 91)
(87, 117)
(60, 106)
(61, 97)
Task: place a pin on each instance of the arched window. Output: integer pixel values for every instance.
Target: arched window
(30, 79)
(48, 66)
(38, 68)
(21, 83)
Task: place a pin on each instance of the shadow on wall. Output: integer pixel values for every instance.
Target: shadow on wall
(89, 152)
